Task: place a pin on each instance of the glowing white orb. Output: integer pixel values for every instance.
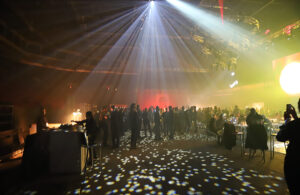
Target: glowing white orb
(151, 3)
(290, 78)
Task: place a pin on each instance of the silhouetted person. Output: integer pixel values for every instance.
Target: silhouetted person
(104, 124)
(291, 132)
(114, 126)
(289, 113)
(171, 128)
(229, 135)
(104, 127)
(220, 125)
(165, 123)
(91, 130)
(146, 122)
(259, 136)
(157, 123)
(251, 121)
(151, 119)
(133, 124)
(121, 121)
(187, 120)
(139, 112)
(212, 126)
(41, 123)
(182, 120)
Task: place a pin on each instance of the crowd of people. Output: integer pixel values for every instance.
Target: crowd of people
(159, 123)
(171, 121)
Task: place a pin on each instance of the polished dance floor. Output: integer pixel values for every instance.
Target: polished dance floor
(186, 165)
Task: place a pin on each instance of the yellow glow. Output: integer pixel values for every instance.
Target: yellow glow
(77, 115)
(290, 78)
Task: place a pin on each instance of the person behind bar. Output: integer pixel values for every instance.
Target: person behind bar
(290, 131)
(42, 121)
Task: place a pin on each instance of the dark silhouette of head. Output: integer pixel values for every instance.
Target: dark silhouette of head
(252, 111)
(89, 115)
(132, 107)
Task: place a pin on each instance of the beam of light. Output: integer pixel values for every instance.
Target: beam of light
(289, 78)
(84, 43)
(210, 23)
(161, 60)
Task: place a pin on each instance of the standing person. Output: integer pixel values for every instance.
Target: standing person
(157, 124)
(146, 122)
(212, 126)
(260, 136)
(133, 125)
(165, 123)
(176, 123)
(151, 119)
(171, 121)
(182, 120)
(114, 125)
(121, 122)
(91, 130)
(97, 118)
(291, 132)
(251, 121)
(139, 112)
(220, 125)
(187, 120)
(104, 125)
(194, 119)
(229, 135)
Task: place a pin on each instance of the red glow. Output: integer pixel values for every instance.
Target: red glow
(221, 9)
(267, 31)
(161, 98)
(288, 29)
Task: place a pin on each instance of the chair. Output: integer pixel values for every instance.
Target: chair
(94, 149)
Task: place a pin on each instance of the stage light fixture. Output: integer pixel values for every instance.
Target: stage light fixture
(151, 3)
(235, 83)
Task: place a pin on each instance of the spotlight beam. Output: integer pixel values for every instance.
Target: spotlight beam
(210, 23)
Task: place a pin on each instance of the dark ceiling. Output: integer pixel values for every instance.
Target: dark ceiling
(50, 33)
(40, 38)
